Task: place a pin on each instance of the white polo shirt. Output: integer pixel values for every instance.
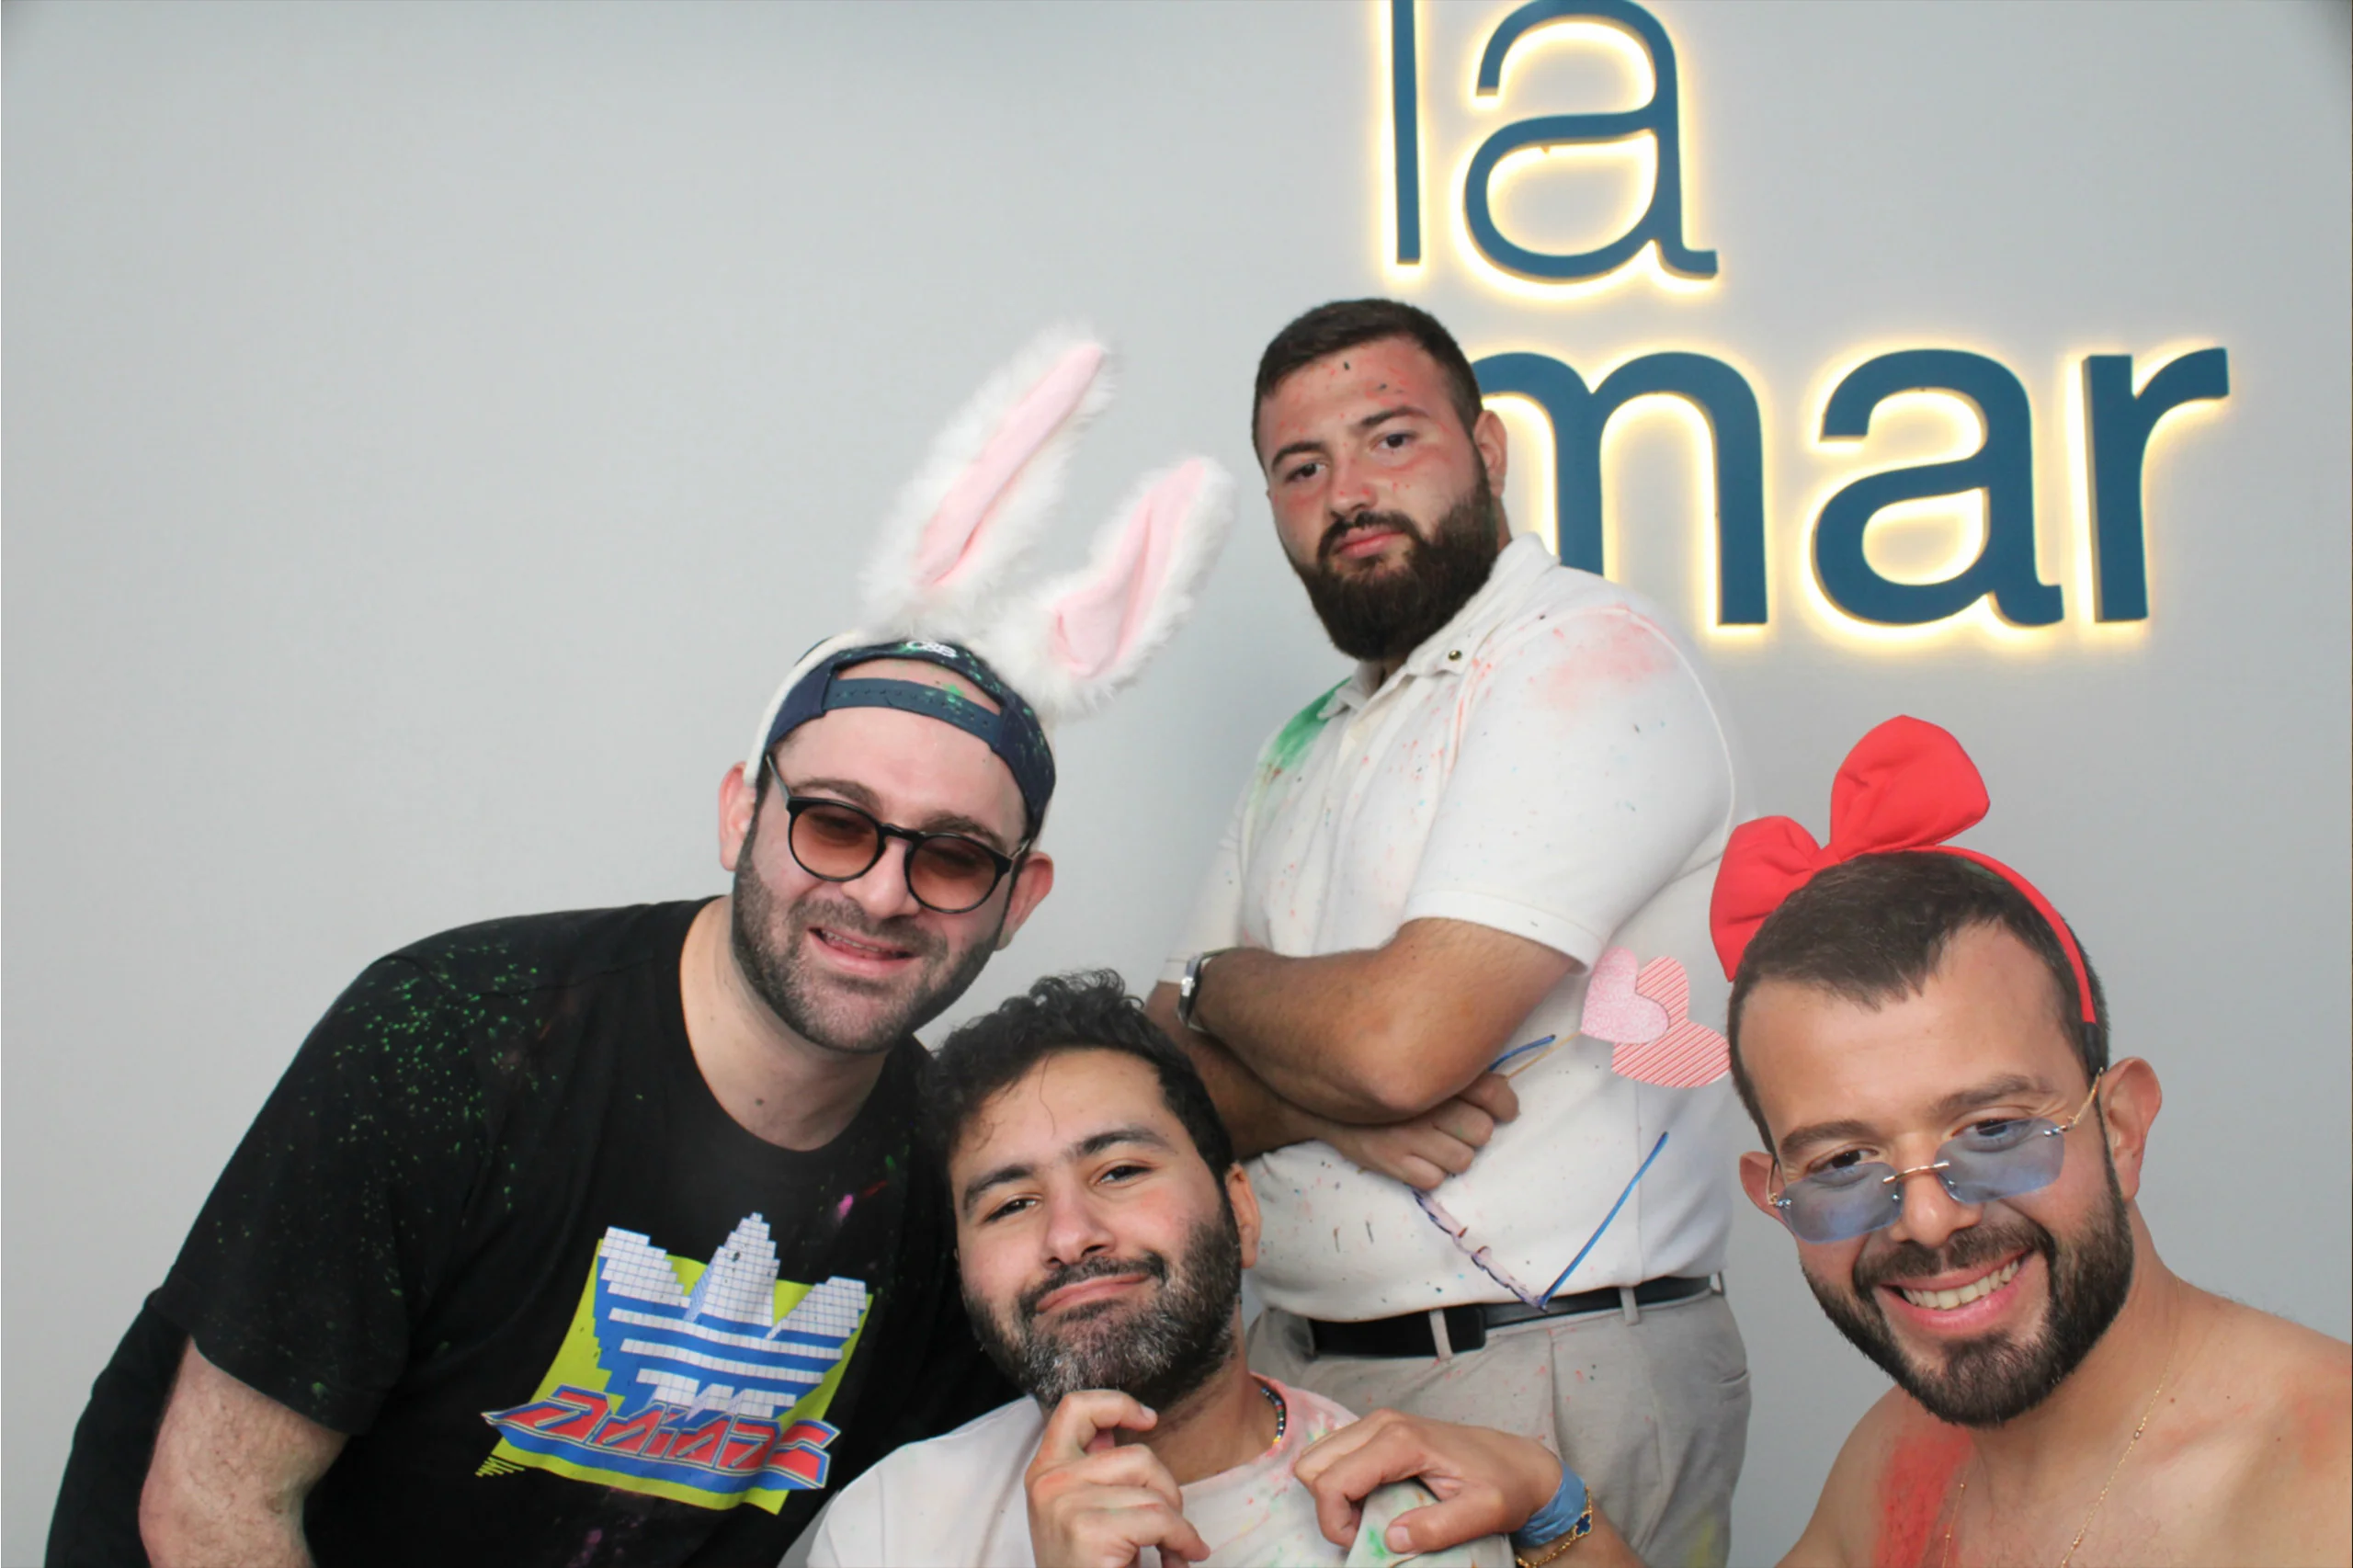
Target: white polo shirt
(1552, 763)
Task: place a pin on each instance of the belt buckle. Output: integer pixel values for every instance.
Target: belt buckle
(1466, 1329)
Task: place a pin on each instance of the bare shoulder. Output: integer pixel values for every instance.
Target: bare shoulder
(2289, 1405)
(1885, 1498)
(2280, 1380)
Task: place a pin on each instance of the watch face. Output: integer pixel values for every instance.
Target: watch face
(1188, 988)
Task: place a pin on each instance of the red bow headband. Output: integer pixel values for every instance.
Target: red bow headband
(1907, 785)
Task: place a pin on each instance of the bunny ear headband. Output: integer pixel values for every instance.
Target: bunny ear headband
(1907, 785)
(935, 589)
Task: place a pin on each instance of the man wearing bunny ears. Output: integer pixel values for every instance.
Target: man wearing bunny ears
(603, 1237)
(1446, 978)
(1924, 1050)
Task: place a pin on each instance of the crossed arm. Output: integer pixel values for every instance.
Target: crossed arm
(1382, 1052)
(231, 1470)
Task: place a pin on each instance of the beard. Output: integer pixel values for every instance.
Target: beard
(855, 1017)
(1157, 1352)
(1997, 1377)
(1387, 613)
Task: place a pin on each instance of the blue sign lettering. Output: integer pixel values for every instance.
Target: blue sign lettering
(1577, 417)
(1404, 117)
(2003, 468)
(2117, 422)
(1660, 119)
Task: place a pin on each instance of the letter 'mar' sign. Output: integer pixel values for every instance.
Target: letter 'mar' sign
(2115, 432)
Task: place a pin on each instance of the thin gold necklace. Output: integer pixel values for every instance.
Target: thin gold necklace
(1944, 1558)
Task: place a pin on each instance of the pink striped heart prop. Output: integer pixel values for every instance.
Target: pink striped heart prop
(1683, 1055)
(1615, 1009)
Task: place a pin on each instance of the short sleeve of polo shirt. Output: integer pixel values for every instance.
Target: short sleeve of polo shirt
(1590, 770)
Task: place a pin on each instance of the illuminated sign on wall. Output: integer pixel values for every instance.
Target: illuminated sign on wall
(2119, 404)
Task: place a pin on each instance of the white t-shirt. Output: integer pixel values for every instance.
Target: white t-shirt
(1552, 763)
(957, 1502)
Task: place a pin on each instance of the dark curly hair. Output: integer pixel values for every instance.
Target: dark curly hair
(1084, 1010)
(1873, 928)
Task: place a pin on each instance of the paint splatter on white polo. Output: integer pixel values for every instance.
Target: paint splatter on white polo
(1552, 763)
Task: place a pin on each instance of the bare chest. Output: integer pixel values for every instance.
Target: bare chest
(2178, 1513)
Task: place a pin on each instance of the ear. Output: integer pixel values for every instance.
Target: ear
(737, 799)
(1091, 631)
(1757, 1180)
(1245, 1213)
(982, 496)
(2129, 1101)
(1032, 880)
(1493, 444)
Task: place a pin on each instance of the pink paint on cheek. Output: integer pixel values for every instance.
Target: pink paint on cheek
(1919, 1477)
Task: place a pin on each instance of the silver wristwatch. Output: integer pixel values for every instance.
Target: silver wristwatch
(1188, 990)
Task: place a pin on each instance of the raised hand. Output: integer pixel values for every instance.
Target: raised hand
(1487, 1482)
(1094, 1504)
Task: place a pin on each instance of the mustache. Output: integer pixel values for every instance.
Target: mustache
(1338, 533)
(844, 914)
(1150, 1262)
(1964, 1249)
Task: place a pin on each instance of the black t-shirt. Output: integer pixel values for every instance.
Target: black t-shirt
(494, 1224)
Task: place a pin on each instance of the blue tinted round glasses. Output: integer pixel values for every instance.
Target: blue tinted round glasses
(1987, 1160)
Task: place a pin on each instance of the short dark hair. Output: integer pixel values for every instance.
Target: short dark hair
(1874, 928)
(1344, 323)
(1085, 1010)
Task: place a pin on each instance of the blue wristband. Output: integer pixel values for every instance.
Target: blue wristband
(1556, 1518)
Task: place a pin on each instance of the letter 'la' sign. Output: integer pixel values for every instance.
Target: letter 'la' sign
(1662, 220)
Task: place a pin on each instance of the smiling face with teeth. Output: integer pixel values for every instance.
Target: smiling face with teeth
(854, 967)
(1978, 1311)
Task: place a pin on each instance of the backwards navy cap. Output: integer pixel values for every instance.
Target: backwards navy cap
(1013, 733)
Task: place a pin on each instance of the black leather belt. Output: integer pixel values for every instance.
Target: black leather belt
(1466, 1327)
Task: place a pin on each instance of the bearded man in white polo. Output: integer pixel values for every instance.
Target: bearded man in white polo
(1449, 976)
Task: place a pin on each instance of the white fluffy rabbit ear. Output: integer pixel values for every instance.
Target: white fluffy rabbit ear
(972, 510)
(1088, 633)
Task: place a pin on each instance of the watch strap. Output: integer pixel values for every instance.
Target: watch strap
(1188, 989)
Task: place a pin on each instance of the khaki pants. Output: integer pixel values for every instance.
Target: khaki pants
(1649, 1404)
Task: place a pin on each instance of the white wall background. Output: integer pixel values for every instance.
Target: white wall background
(430, 430)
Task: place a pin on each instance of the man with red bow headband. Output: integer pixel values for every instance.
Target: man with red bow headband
(1924, 1050)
